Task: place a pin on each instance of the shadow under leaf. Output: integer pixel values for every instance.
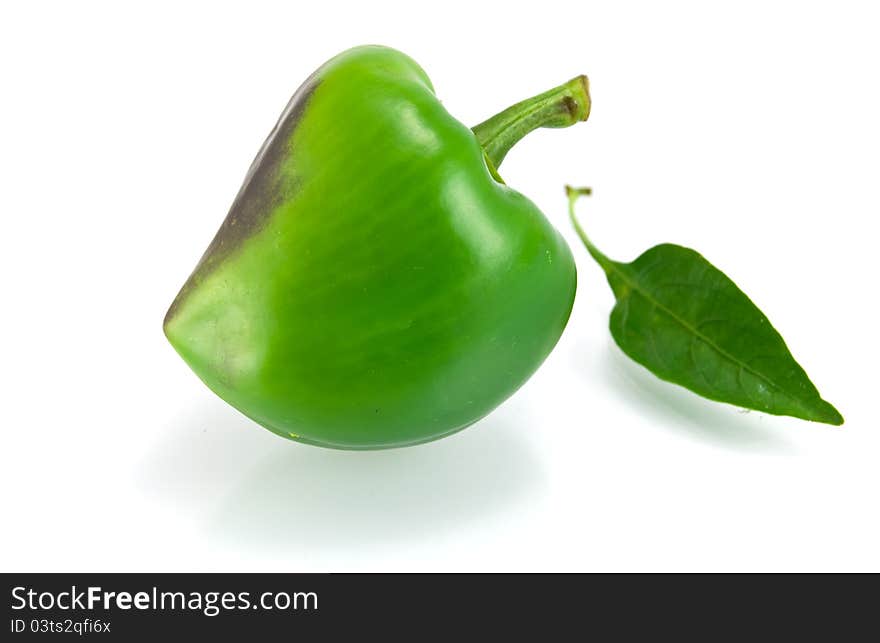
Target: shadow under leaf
(686, 412)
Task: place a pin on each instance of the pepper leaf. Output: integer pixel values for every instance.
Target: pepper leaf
(688, 323)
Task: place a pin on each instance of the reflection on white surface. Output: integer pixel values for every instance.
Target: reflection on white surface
(265, 492)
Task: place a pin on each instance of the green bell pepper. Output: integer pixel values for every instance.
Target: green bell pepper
(375, 284)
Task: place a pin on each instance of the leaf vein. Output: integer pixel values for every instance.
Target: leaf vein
(636, 286)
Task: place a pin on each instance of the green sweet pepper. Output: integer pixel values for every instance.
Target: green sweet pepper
(375, 284)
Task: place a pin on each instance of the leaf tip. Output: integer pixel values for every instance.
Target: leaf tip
(829, 415)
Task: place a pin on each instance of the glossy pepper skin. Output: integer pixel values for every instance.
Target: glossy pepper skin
(373, 285)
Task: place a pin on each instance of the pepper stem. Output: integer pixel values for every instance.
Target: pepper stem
(573, 194)
(560, 107)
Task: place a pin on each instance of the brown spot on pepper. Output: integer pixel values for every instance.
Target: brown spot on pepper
(259, 194)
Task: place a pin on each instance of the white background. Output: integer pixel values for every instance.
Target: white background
(747, 130)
